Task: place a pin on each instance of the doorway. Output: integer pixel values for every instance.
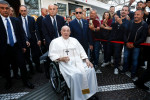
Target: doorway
(15, 5)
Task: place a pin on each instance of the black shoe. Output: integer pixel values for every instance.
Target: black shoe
(8, 85)
(29, 85)
(141, 86)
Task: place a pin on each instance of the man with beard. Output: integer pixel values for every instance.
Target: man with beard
(117, 34)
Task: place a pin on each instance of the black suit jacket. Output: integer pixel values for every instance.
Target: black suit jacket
(32, 30)
(39, 27)
(17, 31)
(48, 29)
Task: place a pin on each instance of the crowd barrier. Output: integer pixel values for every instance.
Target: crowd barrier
(121, 42)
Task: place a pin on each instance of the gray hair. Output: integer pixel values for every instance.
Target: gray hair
(23, 6)
(5, 2)
(65, 26)
(94, 11)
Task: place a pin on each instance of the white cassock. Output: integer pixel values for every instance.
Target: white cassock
(80, 79)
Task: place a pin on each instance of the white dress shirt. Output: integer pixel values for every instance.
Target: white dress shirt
(12, 29)
(24, 25)
(52, 19)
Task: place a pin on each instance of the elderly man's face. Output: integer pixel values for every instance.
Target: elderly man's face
(4, 10)
(44, 11)
(52, 10)
(93, 15)
(65, 32)
(23, 11)
(78, 13)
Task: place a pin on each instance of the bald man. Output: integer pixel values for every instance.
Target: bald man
(44, 12)
(52, 24)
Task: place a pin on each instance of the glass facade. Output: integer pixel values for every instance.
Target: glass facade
(33, 7)
(62, 9)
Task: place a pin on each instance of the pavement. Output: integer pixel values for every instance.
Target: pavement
(110, 87)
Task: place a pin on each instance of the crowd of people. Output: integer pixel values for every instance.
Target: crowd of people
(23, 40)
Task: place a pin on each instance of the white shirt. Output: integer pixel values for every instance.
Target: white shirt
(23, 24)
(12, 29)
(52, 19)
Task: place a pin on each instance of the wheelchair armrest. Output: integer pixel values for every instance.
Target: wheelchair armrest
(44, 56)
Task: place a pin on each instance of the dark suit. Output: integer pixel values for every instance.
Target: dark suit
(49, 33)
(39, 29)
(12, 54)
(48, 28)
(35, 51)
(83, 35)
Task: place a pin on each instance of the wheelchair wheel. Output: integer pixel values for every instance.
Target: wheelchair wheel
(55, 77)
(67, 94)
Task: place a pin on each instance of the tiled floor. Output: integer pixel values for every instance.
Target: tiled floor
(111, 87)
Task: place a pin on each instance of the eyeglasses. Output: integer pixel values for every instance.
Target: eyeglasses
(78, 12)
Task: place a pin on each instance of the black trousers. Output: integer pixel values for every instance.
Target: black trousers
(145, 77)
(35, 57)
(14, 56)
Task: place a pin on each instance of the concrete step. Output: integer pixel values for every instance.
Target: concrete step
(44, 92)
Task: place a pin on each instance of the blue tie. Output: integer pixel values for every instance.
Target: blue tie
(11, 40)
(55, 28)
(27, 29)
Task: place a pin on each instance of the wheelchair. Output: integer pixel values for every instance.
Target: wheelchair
(55, 77)
(58, 83)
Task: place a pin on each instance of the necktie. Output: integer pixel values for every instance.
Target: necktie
(55, 27)
(27, 28)
(80, 23)
(11, 40)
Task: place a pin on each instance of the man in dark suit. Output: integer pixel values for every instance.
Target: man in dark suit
(32, 39)
(12, 42)
(51, 27)
(44, 12)
(80, 30)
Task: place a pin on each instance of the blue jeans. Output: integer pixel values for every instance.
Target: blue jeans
(134, 53)
(97, 47)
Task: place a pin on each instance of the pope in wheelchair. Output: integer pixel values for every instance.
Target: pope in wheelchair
(74, 65)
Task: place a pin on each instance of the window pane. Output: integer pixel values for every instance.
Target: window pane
(33, 6)
(61, 9)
